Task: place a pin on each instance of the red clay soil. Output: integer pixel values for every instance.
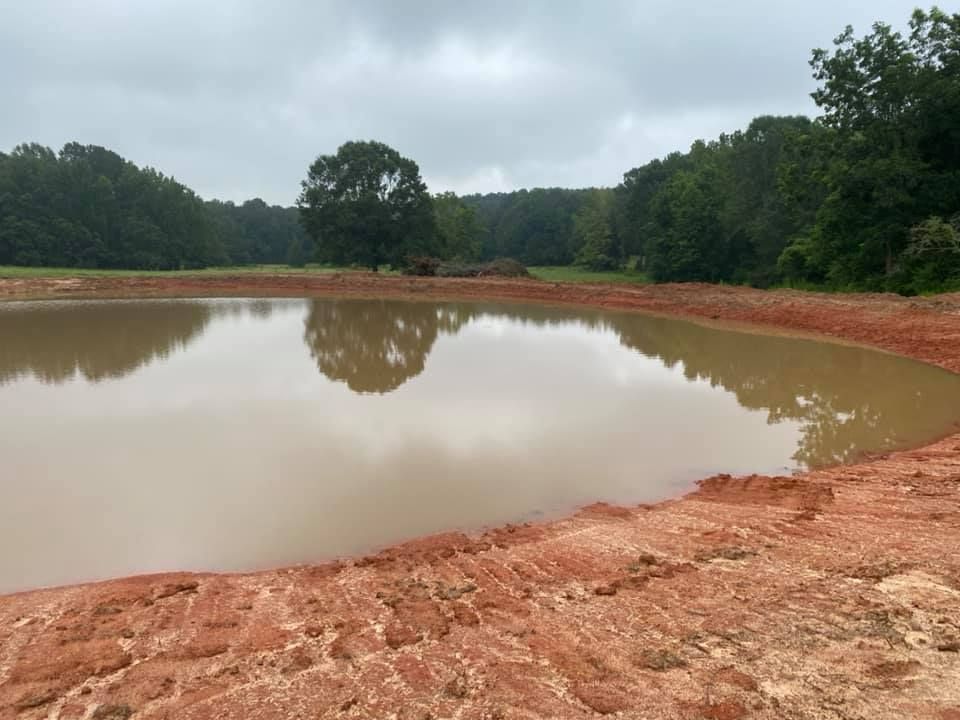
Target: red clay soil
(832, 594)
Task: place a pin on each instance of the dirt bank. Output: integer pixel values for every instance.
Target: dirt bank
(835, 594)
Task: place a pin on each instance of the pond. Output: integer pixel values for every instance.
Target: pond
(238, 434)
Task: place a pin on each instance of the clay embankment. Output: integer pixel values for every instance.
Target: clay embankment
(834, 594)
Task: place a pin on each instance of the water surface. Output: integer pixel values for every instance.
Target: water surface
(150, 435)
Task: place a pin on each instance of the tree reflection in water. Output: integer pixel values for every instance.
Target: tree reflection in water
(96, 340)
(844, 399)
(374, 346)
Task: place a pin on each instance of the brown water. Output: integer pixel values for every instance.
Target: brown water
(149, 435)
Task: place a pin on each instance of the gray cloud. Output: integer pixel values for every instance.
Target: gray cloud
(236, 98)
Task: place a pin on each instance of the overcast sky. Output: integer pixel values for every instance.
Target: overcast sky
(235, 97)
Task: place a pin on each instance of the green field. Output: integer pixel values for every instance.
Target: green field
(562, 273)
(12, 271)
(551, 273)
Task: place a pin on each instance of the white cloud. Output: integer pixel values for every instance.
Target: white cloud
(236, 98)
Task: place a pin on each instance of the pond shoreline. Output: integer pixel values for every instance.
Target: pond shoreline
(828, 594)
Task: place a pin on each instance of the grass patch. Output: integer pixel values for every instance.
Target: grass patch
(575, 274)
(549, 273)
(13, 271)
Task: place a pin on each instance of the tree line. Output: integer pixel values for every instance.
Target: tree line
(87, 207)
(865, 196)
(367, 204)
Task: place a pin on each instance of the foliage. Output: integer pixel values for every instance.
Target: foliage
(422, 265)
(498, 267)
(633, 199)
(888, 156)
(932, 256)
(934, 238)
(257, 233)
(459, 228)
(830, 202)
(598, 248)
(367, 205)
(855, 199)
(535, 226)
(88, 207)
(715, 213)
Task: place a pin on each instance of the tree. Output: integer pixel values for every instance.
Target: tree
(459, 228)
(255, 232)
(593, 234)
(932, 256)
(88, 207)
(827, 201)
(892, 106)
(755, 215)
(367, 205)
(691, 245)
(532, 226)
(634, 202)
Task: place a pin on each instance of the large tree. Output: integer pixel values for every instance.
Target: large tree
(889, 158)
(367, 205)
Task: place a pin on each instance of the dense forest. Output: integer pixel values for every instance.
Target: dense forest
(865, 196)
(87, 207)
(257, 233)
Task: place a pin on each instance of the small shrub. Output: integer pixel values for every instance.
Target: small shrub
(422, 265)
(506, 267)
(501, 267)
(598, 263)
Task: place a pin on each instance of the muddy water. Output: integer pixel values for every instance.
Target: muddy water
(140, 436)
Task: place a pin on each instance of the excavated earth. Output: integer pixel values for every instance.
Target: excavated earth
(832, 594)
